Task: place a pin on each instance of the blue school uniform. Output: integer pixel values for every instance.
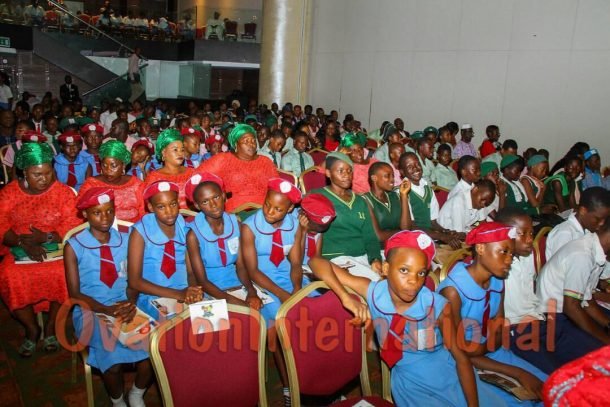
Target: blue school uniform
(86, 248)
(280, 274)
(136, 171)
(473, 297)
(62, 166)
(311, 240)
(415, 377)
(153, 164)
(194, 161)
(154, 247)
(94, 162)
(223, 277)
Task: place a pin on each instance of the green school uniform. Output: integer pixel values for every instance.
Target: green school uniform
(420, 208)
(351, 233)
(388, 216)
(512, 199)
(549, 194)
(445, 177)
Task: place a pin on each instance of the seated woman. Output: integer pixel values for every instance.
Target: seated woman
(389, 211)
(560, 194)
(213, 242)
(244, 172)
(351, 236)
(475, 293)
(170, 151)
(516, 196)
(353, 145)
(114, 157)
(95, 261)
(35, 213)
(328, 136)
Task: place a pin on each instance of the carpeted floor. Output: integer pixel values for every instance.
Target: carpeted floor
(57, 379)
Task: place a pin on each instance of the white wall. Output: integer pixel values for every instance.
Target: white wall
(540, 69)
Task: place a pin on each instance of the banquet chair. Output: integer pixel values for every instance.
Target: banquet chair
(540, 247)
(318, 155)
(312, 179)
(457, 256)
(288, 176)
(245, 210)
(441, 195)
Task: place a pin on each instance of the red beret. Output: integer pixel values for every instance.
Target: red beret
(31, 136)
(213, 139)
(490, 232)
(318, 209)
(197, 179)
(93, 197)
(415, 239)
(189, 131)
(87, 128)
(159, 186)
(144, 142)
(69, 137)
(285, 187)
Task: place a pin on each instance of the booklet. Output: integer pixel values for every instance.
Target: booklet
(54, 251)
(242, 293)
(128, 333)
(209, 316)
(168, 307)
(507, 384)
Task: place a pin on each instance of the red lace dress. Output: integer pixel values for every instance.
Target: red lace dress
(128, 202)
(245, 180)
(52, 211)
(179, 179)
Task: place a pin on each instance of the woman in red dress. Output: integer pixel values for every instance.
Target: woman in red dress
(244, 172)
(170, 151)
(129, 204)
(36, 211)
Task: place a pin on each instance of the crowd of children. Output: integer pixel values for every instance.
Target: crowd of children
(375, 226)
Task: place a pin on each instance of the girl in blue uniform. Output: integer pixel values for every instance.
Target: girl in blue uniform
(92, 136)
(213, 242)
(413, 326)
(157, 251)
(141, 152)
(96, 264)
(476, 295)
(70, 166)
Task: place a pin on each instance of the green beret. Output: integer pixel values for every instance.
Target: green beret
(84, 120)
(270, 120)
(416, 135)
(431, 129)
(238, 132)
(536, 159)
(353, 138)
(165, 138)
(67, 122)
(115, 149)
(508, 160)
(487, 167)
(250, 117)
(31, 154)
(226, 126)
(339, 156)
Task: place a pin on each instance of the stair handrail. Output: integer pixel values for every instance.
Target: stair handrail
(66, 10)
(111, 80)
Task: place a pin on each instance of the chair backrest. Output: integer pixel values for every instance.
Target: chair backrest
(441, 195)
(95, 19)
(86, 18)
(540, 247)
(288, 176)
(223, 368)
(318, 155)
(370, 143)
(431, 281)
(250, 28)
(50, 16)
(74, 231)
(188, 214)
(457, 256)
(315, 366)
(312, 179)
(245, 210)
(454, 165)
(120, 225)
(231, 27)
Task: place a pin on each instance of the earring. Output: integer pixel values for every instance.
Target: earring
(25, 183)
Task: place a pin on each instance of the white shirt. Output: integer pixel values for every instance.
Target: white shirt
(563, 233)
(421, 191)
(458, 214)
(5, 93)
(134, 65)
(520, 301)
(573, 271)
(460, 187)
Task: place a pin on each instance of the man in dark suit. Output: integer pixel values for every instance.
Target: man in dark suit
(68, 92)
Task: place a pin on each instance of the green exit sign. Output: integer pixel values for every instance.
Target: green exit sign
(5, 42)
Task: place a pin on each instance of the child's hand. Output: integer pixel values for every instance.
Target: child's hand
(404, 187)
(376, 266)
(360, 310)
(192, 294)
(124, 311)
(452, 241)
(531, 383)
(303, 221)
(254, 302)
(501, 187)
(34, 252)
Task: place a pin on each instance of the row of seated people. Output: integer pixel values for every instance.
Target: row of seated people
(344, 232)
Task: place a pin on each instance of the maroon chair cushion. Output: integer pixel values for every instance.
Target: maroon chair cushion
(318, 156)
(374, 400)
(207, 369)
(441, 197)
(314, 180)
(327, 349)
(287, 177)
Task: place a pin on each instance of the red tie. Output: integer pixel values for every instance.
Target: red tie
(108, 273)
(37, 127)
(71, 175)
(311, 245)
(485, 314)
(222, 250)
(277, 250)
(189, 163)
(168, 265)
(391, 351)
(98, 166)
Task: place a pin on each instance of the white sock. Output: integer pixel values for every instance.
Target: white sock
(136, 397)
(118, 402)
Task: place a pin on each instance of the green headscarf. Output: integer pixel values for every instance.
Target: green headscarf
(270, 120)
(417, 135)
(487, 167)
(250, 117)
(508, 160)
(536, 159)
(115, 149)
(165, 138)
(339, 156)
(352, 138)
(238, 132)
(33, 154)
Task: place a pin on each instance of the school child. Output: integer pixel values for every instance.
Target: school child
(192, 144)
(491, 145)
(425, 153)
(532, 181)
(92, 136)
(95, 261)
(547, 344)
(274, 147)
(142, 152)
(475, 293)
(70, 167)
(214, 145)
(213, 242)
(51, 131)
(469, 172)
(509, 147)
(389, 136)
(445, 176)
(423, 204)
(413, 325)
(157, 251)
(561, 188)
(593, 177)
(318, 212)
(297, 160)
(516, 196)
(464, 211)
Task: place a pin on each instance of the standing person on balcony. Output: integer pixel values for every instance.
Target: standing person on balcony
(137, 89)
(68, 92)
(33, 14)
(214, 28)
